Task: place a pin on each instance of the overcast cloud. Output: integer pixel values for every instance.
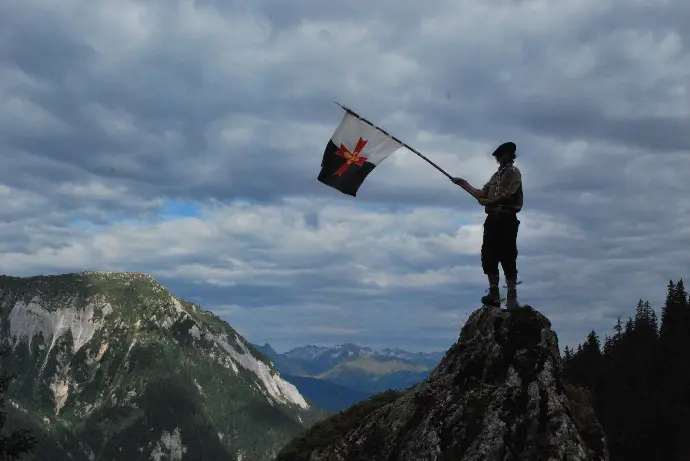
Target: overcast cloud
(184, 139)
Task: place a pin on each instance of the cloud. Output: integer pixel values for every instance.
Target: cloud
(184, 138)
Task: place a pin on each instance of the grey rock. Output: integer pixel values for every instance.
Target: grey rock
(497, 395)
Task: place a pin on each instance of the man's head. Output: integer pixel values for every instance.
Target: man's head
(505, 153)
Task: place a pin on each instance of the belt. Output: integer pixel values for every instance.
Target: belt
(502, 212)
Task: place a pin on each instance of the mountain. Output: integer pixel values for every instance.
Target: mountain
(356, 367)
(319, 359)
(283, 364)
(375, 374)
(113, 366)
(498, 394)
(429, 360)
(325, 394)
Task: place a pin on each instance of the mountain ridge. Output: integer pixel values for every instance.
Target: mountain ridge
(111, 364)
(312, 351)
(361, 368)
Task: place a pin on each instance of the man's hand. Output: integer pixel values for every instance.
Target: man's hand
(465, 185)
(460, 182)
(483, 201)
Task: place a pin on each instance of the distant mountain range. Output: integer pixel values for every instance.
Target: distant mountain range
(336, 377)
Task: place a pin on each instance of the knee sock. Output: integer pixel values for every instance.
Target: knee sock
(512, 283)
(493, 280)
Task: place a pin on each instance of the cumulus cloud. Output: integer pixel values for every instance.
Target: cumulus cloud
(111, 113)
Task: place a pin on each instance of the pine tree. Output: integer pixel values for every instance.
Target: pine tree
(640, 386)
(592, 361)
(675, 343)
(618, 328)
(674, 321)
(629, 327)
(671, 344)
(609, 343)
(645, 324)
(670, 292)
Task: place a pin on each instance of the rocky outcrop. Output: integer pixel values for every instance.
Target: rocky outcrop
(497, 395)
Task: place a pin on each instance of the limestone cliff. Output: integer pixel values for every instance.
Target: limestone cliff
(497, 395)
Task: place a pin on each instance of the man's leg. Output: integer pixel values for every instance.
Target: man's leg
(508, 257)
(490, 260)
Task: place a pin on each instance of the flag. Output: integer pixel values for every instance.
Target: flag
(354, 150)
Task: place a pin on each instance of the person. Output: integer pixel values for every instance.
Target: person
(502, 199)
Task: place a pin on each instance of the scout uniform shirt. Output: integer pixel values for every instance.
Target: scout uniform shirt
(506, 181)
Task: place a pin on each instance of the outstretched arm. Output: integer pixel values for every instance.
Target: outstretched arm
(474, 192)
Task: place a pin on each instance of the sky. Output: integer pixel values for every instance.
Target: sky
(183, 139)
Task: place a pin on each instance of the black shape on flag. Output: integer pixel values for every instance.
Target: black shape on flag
(354, 150)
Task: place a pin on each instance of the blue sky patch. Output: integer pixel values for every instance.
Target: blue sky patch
(180, 208)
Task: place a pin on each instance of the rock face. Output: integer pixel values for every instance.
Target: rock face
(113, 366)
(497, 395)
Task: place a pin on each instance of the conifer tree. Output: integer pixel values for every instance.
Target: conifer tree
(639, 380)
(618, 328)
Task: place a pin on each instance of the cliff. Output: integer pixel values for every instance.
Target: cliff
(498, 395)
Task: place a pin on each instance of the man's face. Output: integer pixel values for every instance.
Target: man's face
(504, 158)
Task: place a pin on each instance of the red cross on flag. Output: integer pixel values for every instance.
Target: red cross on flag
(353, 151)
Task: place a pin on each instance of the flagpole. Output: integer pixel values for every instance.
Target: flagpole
(396, 139)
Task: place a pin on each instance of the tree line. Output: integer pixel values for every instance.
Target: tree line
(639, 380)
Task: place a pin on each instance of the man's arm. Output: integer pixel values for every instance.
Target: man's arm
(483, 192)
(511, 182)
(476, 193)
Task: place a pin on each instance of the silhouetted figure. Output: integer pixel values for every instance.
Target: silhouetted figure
(501, 198)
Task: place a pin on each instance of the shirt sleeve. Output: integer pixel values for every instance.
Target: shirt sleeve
(486, 187)
(512, 180)
(483, 192)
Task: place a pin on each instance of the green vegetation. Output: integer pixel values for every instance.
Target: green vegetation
(150, 375)
(14, 444)
(639, 380)
(328, 432)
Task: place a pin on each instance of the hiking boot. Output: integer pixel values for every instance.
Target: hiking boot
(492, 299)
(511, 300)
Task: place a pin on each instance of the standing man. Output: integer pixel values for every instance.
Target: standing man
(501, 198)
